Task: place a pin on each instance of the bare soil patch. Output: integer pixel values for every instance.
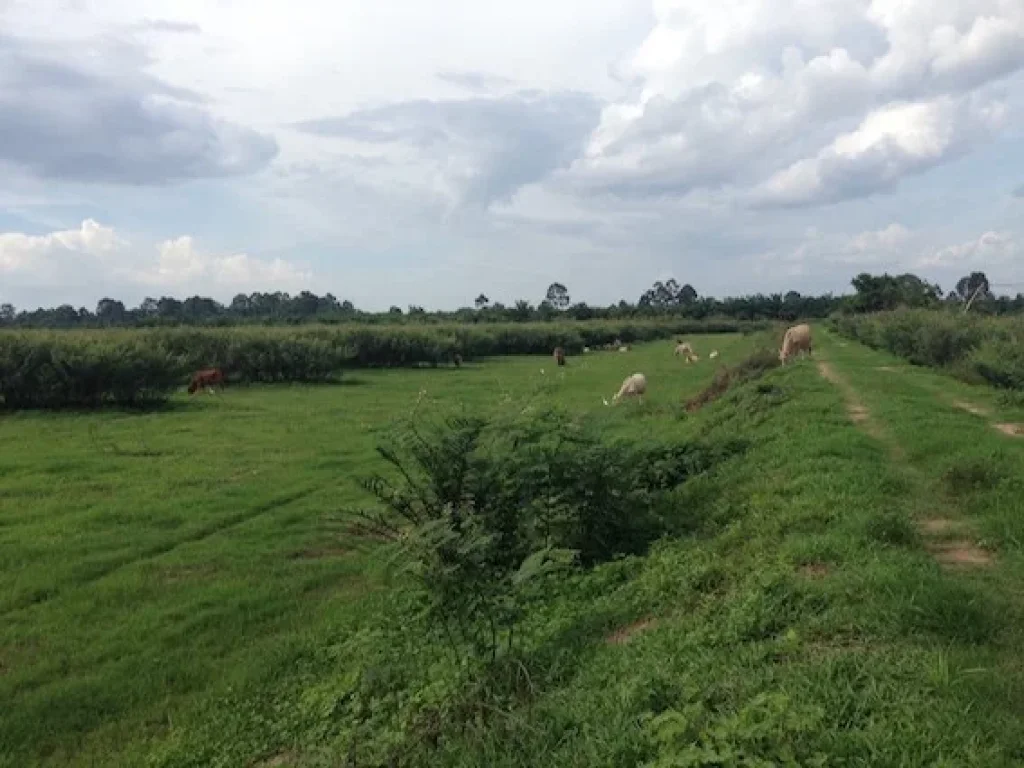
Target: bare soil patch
(858, 413)
(962, 554)
(1013, 430)
(624, 634)
(887, 368)
(938, 526)
(828, 372)
(813, 570)
(977, 410)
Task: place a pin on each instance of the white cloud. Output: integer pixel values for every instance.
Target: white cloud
(458, 146)
(895, 249)
(95, 255)
(890, 144)
(990, 251)
(765, 93)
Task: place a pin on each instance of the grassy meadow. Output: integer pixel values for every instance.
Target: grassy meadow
(176, 589)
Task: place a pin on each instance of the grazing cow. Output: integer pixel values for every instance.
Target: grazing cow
(714, 354)
(683, 348)
(208, 377)
(457, 359)
(633, 386)
(796, 340)
(586, 350)
(559, 356)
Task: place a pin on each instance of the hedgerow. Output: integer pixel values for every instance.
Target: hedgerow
(52, 369)
(974, 347)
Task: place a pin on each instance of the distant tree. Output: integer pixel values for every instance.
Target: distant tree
(110, 311)
(974, 287)
(169, 307)
(240, 305)
(199, 308)
(415, 310)
(149, 307)
(7, 313)
(687, 295)
(305, 304)
(522, 311)
(557, 296)
(875, 293)
(395, 310)
(580, 311)
(482, 301)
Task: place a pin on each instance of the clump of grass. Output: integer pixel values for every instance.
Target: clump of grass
(970, 475)
(891, 529)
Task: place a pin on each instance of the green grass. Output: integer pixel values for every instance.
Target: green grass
(172, 590)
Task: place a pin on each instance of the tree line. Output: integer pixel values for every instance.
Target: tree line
(872, 293)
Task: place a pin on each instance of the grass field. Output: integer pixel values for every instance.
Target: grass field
(173, 592)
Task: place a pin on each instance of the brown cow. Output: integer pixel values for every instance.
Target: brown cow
(207, 377)
(559, 356)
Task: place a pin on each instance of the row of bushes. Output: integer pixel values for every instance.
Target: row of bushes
(973, 347)
(127, 367)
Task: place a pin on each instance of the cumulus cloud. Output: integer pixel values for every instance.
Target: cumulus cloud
(890, 144)
(95, 255)
(482, 148)
(88, 112)
(989, 251)
(808, 101)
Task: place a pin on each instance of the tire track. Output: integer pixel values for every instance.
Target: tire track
(203, 532)
(946, 539)
(855, 408)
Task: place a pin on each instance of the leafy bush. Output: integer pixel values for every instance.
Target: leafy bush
(768, 730)
(480, 509)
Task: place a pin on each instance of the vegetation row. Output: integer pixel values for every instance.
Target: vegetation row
(977, 348)
(40, 369)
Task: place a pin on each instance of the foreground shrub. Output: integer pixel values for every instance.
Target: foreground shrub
(480, 510)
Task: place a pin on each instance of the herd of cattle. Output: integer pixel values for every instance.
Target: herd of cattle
(797, 340)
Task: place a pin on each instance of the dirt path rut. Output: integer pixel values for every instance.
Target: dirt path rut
(949, 540)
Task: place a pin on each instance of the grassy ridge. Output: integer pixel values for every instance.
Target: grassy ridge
(180, 598)
(974, 347)
(126, 367)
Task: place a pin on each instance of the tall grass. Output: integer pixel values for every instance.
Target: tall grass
(46, 369)
(976, 348)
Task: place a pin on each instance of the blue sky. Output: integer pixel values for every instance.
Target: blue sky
(420, 153)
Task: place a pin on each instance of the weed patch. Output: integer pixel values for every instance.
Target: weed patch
(750, 369)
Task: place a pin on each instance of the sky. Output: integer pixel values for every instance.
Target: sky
(410, 152)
